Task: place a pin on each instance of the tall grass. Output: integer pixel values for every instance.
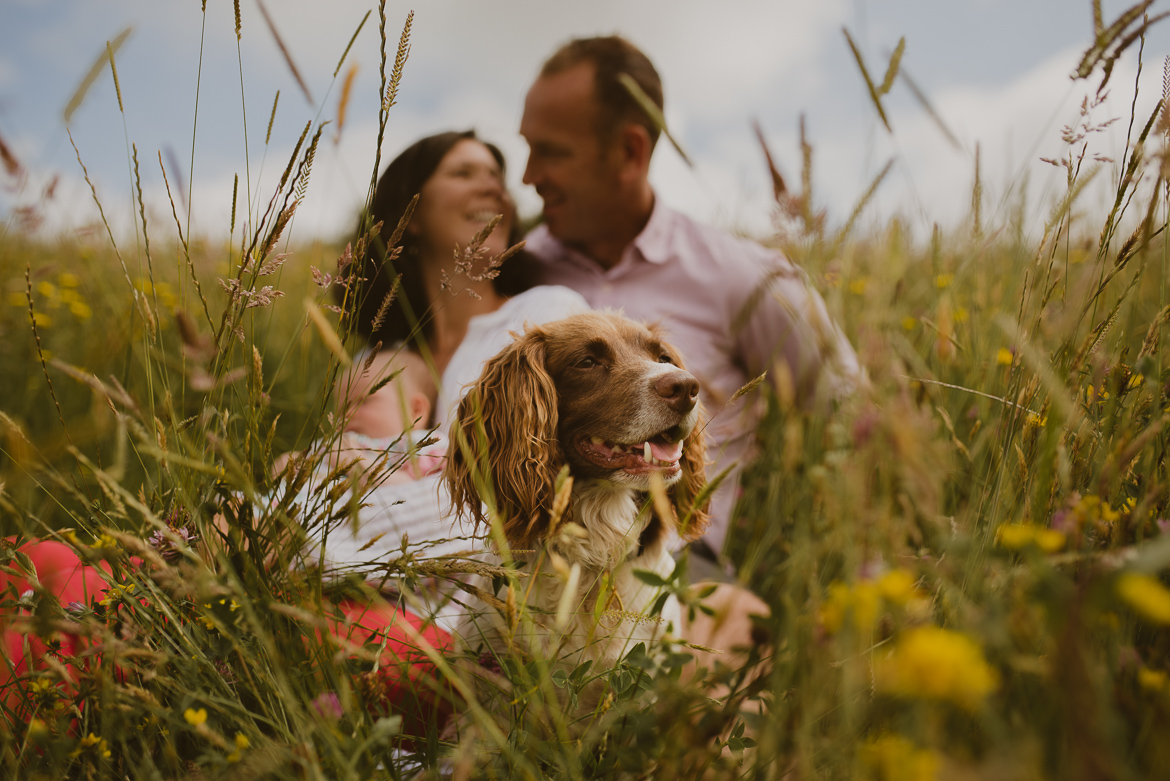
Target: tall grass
(964, 562)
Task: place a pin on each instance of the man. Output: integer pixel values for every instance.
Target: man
(734, 308)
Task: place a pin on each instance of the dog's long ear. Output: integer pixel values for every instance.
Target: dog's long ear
(692, 517)
(504, 449)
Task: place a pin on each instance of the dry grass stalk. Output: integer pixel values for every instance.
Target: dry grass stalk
(283, 51)
(400, 57)
(94, 71)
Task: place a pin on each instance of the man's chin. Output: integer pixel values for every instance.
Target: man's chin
(554, 220)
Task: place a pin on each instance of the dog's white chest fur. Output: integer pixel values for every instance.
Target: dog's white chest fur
(600, 609)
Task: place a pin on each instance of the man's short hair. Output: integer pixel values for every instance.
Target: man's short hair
(611, 56)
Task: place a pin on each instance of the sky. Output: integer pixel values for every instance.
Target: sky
(996, 72)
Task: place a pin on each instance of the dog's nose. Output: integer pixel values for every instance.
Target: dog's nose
(680, 390)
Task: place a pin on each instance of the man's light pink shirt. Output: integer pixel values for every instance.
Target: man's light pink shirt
(732, 307)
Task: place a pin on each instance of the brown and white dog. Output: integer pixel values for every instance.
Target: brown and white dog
(611, 399)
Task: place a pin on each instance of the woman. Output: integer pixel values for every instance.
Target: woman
(454, 316)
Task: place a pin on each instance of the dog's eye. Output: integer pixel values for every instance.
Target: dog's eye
(665, 358)
(588, 362)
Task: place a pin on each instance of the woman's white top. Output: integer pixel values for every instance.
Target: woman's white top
(421, 509)
(488, 334)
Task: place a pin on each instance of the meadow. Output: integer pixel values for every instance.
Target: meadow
(965, 560)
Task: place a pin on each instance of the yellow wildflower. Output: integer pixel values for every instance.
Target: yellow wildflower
(866, 599)
(1035, 421)
(832, 610)
(1146, 595)
(909, 322)
(1135, 380)
(166, 295)
(242, 743)
(44, 691)
(1050, 540)
(65, 279)
(933, 663)
(47, 289)
(861, 602)
(857, 286)
(38, 730)
(105, 541)
(1094, 394)
(1004, 357)
(891, 757)
(116, 593)
(898, 586)
(149, 721)
(1153, 680)
(961, 314)
(943, 281)
(42, 320)
(80, 310)
(92, 741)
(195, 717)
(1015, 536)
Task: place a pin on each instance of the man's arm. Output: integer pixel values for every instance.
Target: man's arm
(783, 327)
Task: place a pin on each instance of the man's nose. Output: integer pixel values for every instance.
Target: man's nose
(530, 172)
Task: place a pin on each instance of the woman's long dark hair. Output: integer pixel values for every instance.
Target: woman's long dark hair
(402, 180)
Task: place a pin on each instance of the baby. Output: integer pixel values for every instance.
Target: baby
(391, 418)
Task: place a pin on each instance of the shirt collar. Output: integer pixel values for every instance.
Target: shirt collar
(653, 243)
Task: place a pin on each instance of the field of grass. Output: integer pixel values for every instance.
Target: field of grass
(965, 562)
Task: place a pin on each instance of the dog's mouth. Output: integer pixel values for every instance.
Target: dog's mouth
(660, 452)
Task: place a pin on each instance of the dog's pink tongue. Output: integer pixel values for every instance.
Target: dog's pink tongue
(664, 452)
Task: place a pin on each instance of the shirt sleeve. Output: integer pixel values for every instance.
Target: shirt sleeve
(783, 327)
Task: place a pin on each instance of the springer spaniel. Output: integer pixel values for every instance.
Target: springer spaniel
(609, 398)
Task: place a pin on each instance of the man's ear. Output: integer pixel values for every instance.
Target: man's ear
(635, 148)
